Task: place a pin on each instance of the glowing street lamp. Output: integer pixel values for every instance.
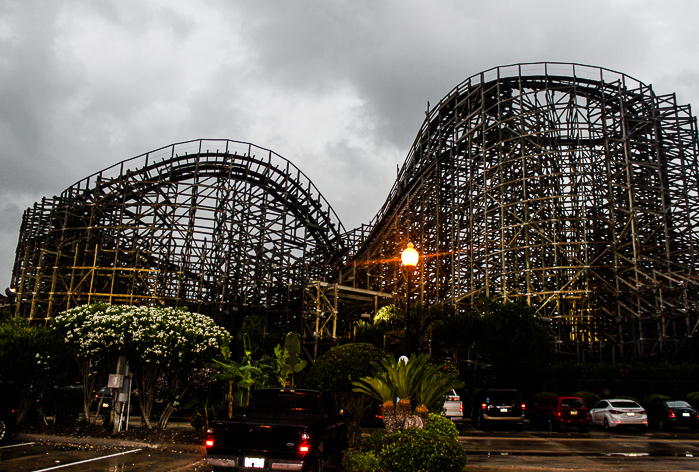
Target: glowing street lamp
(409, 257)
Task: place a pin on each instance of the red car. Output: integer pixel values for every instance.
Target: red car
(561, 412)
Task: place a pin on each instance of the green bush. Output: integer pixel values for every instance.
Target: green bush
(655, 397)
(353, 360)
(591, 399)
(356, 460)
(626, 397)
(419, 450)
(541, 395)
(374, 441)
(693, 398)
(442, 426)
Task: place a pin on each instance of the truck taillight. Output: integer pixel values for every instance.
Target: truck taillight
(209, 442)
(484, 406)
(305, 444)
(461, 408)
(524, 406)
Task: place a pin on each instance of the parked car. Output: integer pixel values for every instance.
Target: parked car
(454, 408)
(561, 412)
(372, 417)
(498, 406)
(619, 412)
(7, 422)
(103, 399)
(668, 414)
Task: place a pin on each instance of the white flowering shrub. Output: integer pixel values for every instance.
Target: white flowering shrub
(169, 344)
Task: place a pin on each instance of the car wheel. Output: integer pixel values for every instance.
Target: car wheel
(479, 422)
(606, 425)
(320, 465)
(549, 425)
(662, 425)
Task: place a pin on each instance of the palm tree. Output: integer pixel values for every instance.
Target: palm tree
(378, 387)
(416, 379)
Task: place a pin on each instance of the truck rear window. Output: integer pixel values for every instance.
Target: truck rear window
(286, 401)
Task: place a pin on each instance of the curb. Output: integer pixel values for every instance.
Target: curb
(43, 438)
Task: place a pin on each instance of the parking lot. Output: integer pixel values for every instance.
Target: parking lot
(488, 451)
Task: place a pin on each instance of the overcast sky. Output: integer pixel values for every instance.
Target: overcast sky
(337, 87)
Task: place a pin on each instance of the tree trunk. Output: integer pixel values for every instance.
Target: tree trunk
(146, 380)
(86, 368)
(172, 406)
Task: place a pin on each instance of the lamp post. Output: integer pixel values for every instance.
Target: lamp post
(409, 257)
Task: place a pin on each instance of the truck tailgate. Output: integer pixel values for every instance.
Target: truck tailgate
(234, 438)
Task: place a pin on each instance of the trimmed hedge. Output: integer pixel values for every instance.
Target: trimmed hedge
(419, 450)
(693, 398)
(536, 399)
(442, 426)
(591, 399)
(655, 397)
(626, 397)
(356, 460)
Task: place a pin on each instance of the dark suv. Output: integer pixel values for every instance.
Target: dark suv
(498, 406)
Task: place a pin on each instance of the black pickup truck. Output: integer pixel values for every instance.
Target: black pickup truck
(281, 429)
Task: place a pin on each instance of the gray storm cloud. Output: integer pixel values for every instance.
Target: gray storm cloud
(339, 88)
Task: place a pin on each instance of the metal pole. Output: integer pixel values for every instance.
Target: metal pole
(128, 407)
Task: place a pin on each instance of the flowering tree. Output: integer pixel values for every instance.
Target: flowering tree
(169, 344)
(94, 335)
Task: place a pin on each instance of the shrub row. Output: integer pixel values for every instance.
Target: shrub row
(432, 449)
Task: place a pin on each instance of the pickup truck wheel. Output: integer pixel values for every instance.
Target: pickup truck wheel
(549, 425)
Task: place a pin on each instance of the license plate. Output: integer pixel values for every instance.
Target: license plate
(573, 412)
(254, 462)
(504, 410)
(105, 405)
(686, 414)
(630, 414)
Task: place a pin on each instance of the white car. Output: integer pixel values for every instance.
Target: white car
(454, 408)
(619, 412)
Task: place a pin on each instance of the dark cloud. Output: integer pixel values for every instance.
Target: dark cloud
(339, 88)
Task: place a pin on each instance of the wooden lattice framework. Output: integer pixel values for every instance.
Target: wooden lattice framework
(218, 226)
(573, 186)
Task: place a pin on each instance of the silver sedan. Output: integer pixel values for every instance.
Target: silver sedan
(619, 412)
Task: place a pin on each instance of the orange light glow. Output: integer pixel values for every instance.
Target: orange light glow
(409, 256)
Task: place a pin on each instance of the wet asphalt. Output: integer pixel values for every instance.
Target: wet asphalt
(488, 451)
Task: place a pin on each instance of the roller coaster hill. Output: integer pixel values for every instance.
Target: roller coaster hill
(573, 187)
